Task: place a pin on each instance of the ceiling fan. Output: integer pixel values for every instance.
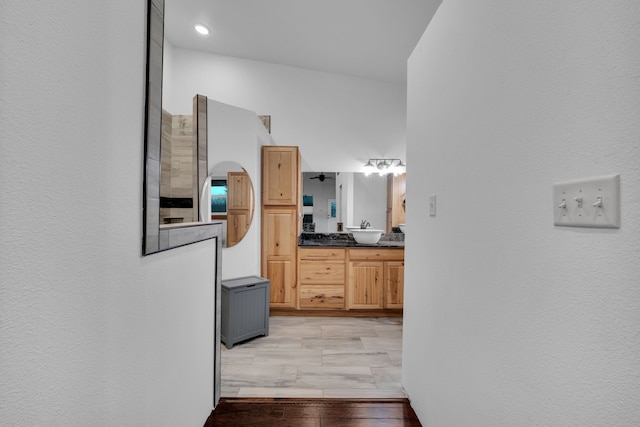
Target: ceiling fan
(321, 177)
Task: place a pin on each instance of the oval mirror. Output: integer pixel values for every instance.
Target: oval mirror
(227, 196)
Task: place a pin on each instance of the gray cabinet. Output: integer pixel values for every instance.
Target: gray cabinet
(245, 309)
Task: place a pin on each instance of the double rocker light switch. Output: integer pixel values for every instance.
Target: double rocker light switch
(593, 202)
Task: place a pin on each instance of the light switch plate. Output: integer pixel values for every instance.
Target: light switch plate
(592, 202)
(432, 205)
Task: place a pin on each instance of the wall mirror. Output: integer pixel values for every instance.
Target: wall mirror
(168, 233)
(228, 197)
(355, 197)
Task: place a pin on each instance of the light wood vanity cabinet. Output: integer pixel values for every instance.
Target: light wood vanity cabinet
(317, 278)
(350, 278)
(376, 278)
(281, 207)
(321, 276)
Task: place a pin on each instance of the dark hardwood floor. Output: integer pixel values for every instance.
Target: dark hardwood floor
(246, 412)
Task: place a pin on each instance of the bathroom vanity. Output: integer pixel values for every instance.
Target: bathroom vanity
(321, 272)
(336, 273)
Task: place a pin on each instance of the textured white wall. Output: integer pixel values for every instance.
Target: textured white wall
(91, 333)
(508, 319)
(238, 134)
(338, 122)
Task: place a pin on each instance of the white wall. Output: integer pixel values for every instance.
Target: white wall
(338, 122)
(508, 319)
(236, 134)
(91, 333)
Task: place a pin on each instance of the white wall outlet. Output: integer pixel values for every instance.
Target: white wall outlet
(592, 202)
(432, 205)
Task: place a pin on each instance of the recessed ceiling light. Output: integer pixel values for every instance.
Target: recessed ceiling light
(202, 29)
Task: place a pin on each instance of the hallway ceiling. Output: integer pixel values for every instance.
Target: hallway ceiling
(364, 38)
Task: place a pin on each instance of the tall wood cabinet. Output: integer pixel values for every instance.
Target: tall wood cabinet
(281, 221)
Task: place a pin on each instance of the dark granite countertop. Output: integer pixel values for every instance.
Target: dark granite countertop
(389, 240)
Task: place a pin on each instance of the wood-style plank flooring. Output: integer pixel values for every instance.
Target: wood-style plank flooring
(247, 412)
(318, 357)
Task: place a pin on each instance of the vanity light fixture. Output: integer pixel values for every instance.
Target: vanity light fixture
(384, 166)
(202, 29)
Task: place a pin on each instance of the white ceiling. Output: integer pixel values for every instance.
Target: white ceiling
(365, 38)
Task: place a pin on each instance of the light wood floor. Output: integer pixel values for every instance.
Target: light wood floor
(318, 357)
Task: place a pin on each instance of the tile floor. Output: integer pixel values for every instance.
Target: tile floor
(331, 357)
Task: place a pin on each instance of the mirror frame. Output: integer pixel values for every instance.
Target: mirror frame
(155, 238)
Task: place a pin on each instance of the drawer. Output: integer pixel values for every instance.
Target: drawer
(321, 272)
(318, 254)
(375, 254)
(322, 296)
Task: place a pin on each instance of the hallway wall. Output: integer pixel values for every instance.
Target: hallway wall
(510, 321)
(239, 134)
(338, 121)
(91, 333)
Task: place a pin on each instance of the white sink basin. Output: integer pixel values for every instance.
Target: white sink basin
(367, 235)
(401, 227)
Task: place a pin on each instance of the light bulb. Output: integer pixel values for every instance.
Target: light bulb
(202, 29)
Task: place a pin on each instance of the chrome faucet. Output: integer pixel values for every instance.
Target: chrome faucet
(364, 224)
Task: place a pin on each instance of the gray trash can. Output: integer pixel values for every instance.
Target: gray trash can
(245, 309)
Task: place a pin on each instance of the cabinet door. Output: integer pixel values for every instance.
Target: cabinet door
(238, 223)
(280, 175)
(279, 233)
(365, 284)
(279, 244)
(281, 274)
(394, 284)
(239, 191)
